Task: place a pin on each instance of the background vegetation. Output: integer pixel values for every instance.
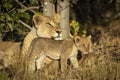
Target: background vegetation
(99, 18)
(16, 16)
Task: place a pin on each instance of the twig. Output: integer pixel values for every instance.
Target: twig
(26, 25)
(11, 10)
(29, 8)
(20, 4)
(23, 6)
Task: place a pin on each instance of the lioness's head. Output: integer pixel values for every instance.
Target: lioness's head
(46, 27)
(84, 44)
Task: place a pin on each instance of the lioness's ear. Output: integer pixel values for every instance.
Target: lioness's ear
(77, 39)
(57, 18)
(37, 19)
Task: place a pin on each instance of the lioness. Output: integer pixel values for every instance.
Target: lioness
(53, 49)
(44, 27)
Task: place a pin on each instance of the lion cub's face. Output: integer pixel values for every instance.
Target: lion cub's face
(84, 44)
(46, 27)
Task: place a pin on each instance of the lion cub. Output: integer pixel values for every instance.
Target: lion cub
(56, 49)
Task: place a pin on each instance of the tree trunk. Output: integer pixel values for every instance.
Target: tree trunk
(48, 8)
(63, 9)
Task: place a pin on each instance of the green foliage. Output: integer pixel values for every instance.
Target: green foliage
(76, 28)
(84, 32)
(10, 15)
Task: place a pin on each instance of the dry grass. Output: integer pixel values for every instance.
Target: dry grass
(103, 64)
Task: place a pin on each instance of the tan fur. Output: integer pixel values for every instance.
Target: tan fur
(44, 27)
(5, 45)
(88, 61)
(51, 70)
(9, 53)
(63, 50)
(85, 45)
(12, 53)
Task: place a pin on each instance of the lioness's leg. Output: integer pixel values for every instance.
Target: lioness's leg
(35, 62)
(43, 61)
(40, 62)
(31, 66)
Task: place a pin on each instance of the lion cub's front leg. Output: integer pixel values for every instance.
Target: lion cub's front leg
(68, 54)
(73, 57)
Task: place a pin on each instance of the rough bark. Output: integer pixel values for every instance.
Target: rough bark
(48, 8)
(63, 9)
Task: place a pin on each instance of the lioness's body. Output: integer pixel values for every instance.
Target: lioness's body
(62, 49)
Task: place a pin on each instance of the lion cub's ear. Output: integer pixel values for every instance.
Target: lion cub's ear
(77, 39)
(89, 36)
(37, 19)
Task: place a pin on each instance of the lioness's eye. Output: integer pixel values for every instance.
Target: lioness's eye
(49, 24)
